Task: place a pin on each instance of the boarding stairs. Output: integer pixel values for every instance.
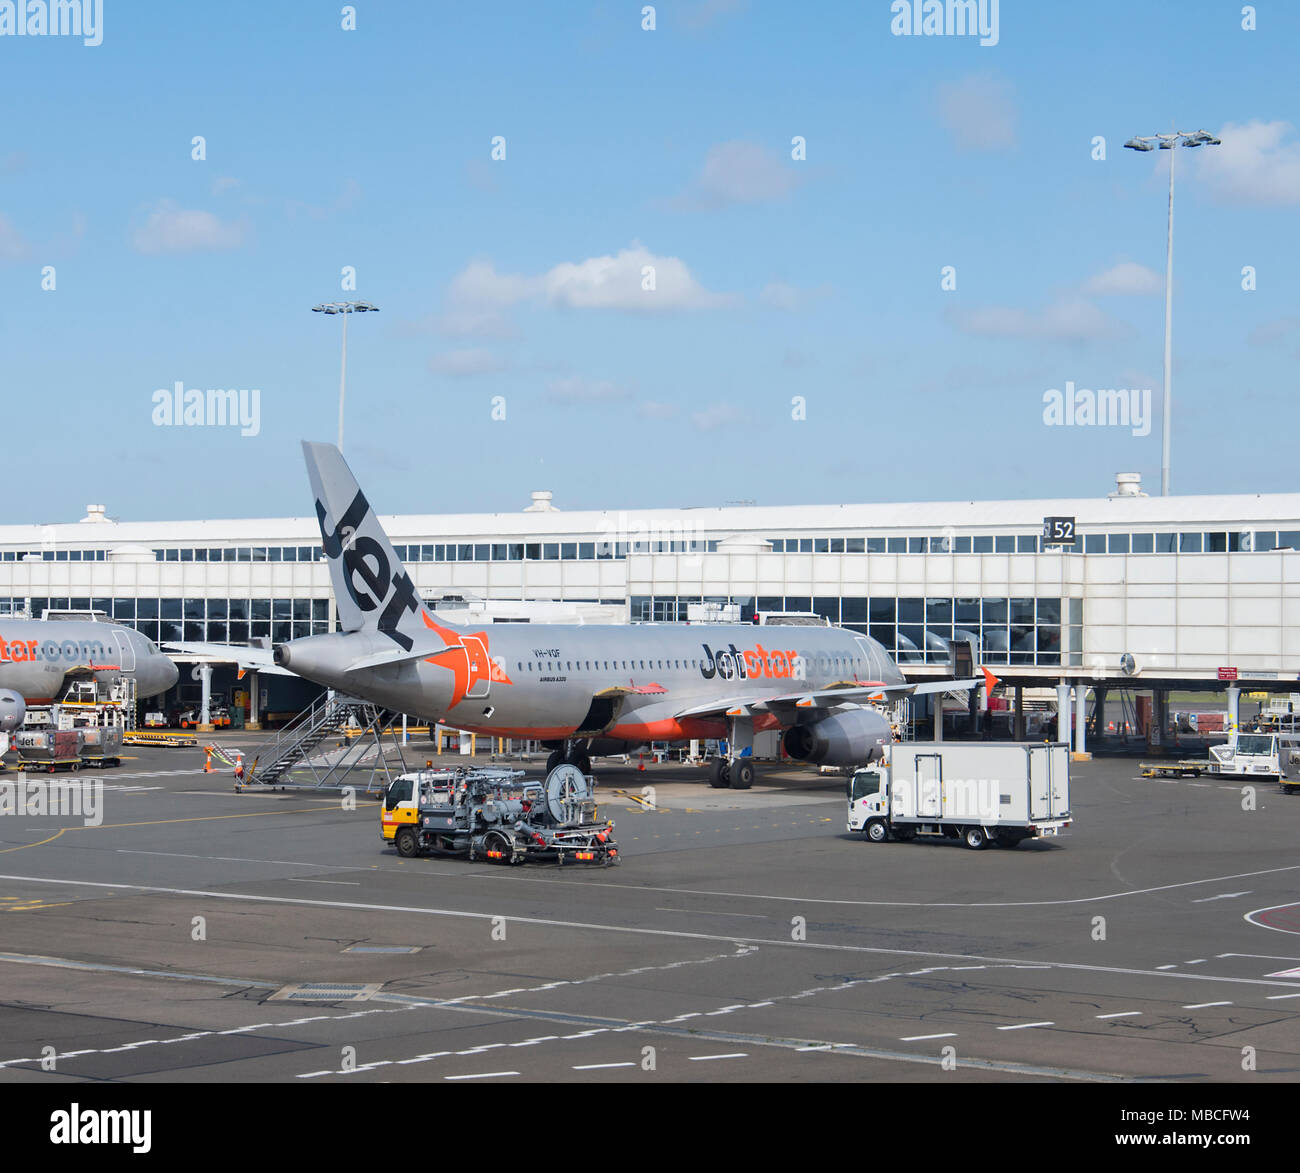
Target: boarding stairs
(299, 757)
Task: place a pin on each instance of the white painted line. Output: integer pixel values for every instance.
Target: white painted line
(1121, 1014)
(1166, 967)
(1198, 961)
(1203, 1005)
(631, 930)
(1026, 1025)
(346, 883)
(706, 1058)
(923, 1038)
(481, 1075)
(1279, 997)
(814, 1047)
(601, 1066)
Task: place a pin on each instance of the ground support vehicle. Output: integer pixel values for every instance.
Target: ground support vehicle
(496, 814)
(49, 749)
(980, 793)
(1269, 757)
(101, 745)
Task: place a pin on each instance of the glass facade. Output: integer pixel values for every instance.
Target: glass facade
(913, 630)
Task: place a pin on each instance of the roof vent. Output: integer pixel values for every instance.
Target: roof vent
(541, 503)
(1128, 484)
(96, 514)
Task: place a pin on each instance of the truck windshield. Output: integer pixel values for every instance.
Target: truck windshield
(398, 791)
(863, 784)
(1255, 743)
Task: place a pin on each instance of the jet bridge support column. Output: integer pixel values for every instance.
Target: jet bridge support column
(1018, 717)
(1234, 708)
(205, 706)
(1081, 753)
(254, 715)
(1063, 712)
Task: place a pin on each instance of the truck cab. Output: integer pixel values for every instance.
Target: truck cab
(868, 793)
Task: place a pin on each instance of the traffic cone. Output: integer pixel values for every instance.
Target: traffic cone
(207, 761)
(239, 771)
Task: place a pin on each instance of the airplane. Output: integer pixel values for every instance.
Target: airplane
(584, 689)
(40, 659)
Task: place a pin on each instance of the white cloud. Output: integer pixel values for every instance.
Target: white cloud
(979, 112)
(717, 415)
(480, 284)
(741, 173)
(653, 410)
(172, 229)
(1127, 277)
(575, 390)
(1067, 320)
(460, 364)
(1257, 163)
(619, 282)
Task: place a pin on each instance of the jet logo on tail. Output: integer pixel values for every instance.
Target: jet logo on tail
(364, 559)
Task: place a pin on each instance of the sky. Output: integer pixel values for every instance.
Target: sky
(760, 251)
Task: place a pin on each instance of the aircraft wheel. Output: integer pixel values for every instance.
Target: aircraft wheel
(742, 775)
(555, 757)
(719, 774)
(583, 762)
(408, 842)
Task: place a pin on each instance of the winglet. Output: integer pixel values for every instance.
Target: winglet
(990, 681)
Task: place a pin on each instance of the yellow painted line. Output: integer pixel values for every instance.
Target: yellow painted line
(25, 846)
(34, 907)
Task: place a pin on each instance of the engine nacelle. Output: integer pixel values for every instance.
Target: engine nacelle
(851, 738)
(12, 710)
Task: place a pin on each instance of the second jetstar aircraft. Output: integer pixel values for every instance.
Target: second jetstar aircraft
(593, 688)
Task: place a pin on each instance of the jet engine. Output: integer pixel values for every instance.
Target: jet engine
(12, 710)
(851, 737)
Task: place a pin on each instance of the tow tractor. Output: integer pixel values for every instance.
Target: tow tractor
(1245, 755)
(494, 813)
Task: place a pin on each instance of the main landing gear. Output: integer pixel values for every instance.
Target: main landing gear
(574, 753)
(736, 770)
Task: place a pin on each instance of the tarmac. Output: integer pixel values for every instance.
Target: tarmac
(194, 934)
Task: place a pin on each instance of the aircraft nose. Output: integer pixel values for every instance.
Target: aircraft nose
(170, 675)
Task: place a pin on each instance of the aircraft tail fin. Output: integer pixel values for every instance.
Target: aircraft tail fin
(372, 588)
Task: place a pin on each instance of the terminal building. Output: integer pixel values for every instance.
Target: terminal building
(1122, 590)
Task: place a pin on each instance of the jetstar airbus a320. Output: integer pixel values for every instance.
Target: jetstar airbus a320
(586, 689)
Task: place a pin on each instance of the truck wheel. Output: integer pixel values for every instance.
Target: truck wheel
(975, 838)
(742, 775)
(719, 774)
(876, 831)
(408, 842)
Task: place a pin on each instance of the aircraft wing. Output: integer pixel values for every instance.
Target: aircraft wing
(848, 692)
(248, 659)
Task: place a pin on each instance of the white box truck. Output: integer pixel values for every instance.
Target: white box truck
(978, 792)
